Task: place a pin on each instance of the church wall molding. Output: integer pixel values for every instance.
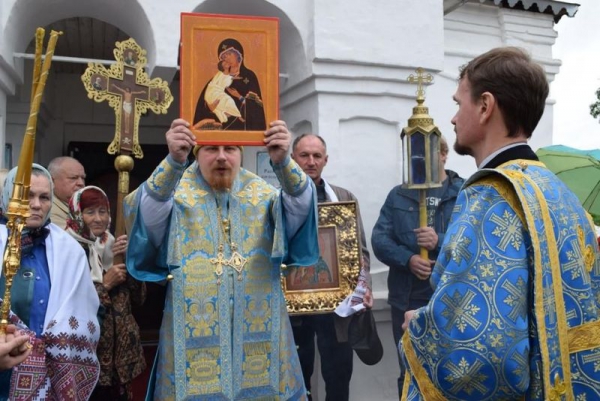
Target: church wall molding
(550, 64)
(370, 70)
(374, 80)
(345, 87)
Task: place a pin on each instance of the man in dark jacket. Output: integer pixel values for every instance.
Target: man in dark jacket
(397, 238)
(310, 152)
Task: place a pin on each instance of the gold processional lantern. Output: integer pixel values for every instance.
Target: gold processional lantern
(421, 150)
(18, 207)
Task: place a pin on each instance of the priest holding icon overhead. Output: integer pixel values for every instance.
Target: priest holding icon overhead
(221, 236)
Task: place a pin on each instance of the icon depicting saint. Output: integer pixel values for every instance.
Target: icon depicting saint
(129, 59)
(97, 84)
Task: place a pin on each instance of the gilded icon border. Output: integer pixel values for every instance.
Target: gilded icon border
(204, 37)
(314, 297)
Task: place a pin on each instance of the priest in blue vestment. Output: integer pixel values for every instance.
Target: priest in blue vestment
(516, 303)
(221, 236)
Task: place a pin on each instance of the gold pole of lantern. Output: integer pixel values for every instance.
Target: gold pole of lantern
(18, 207)
(423, 218)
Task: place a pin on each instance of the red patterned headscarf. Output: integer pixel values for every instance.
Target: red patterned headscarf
(100, 254)
(89, 196)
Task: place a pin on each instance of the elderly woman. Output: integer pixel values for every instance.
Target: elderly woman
(119, 351)
(53, 300)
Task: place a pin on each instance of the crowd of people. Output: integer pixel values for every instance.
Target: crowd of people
(505, 306)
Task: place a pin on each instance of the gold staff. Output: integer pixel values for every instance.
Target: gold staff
(18, 207)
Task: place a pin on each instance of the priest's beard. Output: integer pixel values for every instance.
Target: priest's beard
(462, 150)
(221, 182)
(221, 179)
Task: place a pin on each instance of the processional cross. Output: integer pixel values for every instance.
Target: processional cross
(128, 90)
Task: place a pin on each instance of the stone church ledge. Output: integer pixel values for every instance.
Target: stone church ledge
(348, 79)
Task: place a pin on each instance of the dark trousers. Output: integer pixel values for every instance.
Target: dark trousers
(397, 322)
(336, 358)
(116, 392)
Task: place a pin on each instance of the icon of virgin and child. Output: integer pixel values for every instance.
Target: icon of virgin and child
(231, 100)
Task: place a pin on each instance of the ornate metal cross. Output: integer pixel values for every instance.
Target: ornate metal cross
(219, 262)
(128, 90)
(420, 79)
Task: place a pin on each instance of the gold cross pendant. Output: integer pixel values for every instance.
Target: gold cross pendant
(219, 261)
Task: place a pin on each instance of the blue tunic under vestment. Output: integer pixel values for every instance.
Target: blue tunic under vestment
(515, 310)
(228, 336)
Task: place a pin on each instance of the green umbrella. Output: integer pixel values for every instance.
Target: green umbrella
(580, 170)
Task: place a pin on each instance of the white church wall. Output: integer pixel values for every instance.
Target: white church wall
(387, 32)
(361, 140)
(535, 32)
(164, 22)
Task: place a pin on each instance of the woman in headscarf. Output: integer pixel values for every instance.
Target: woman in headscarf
(53, 300)
(120, 350)
(244, 90)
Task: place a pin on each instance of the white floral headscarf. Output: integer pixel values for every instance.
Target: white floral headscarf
(9, 182)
